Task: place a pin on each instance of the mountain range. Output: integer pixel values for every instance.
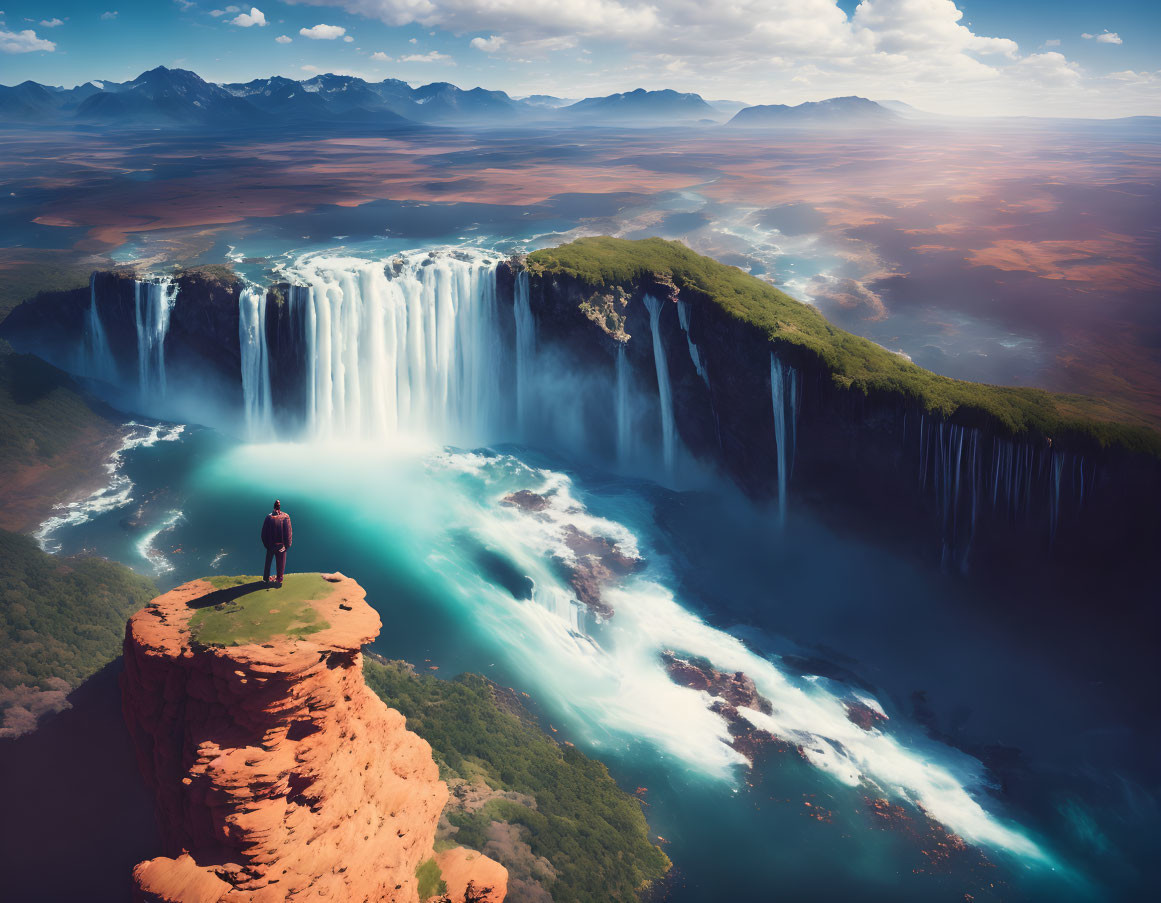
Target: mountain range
(840, 111)
(176, 98)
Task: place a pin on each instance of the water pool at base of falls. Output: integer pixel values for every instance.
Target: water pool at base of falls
(465, 582)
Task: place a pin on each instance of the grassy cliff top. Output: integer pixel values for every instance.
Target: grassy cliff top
(255, 612)
(854, 362)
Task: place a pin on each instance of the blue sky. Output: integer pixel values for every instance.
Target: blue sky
(974, 56)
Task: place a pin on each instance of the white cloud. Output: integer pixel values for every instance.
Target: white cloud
(283, 39)
(1051, 69)
(254, 17)
(185, 5)
(24, 42)
(489, 44)
(112, 14)
(216, 13)
(413, 40)
(775, 51)
(1105, 37)
(317, 70)
(322, 32)
(433, 57)
(380, 56)
(51, 23)
(1128, 76)
(348, 38)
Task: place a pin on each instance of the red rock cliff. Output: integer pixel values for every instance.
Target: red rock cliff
(278, 774)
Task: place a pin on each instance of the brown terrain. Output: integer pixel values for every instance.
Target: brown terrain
(277, 773)
(32, 489)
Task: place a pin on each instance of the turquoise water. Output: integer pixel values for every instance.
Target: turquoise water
(464, 582)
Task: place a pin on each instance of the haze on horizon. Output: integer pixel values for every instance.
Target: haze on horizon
(971, 57)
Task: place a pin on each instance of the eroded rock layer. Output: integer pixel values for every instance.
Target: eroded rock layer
(278, 774)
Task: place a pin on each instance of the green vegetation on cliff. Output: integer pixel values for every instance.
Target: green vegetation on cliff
(566, 807)
(854, 362)
(61, 620)
(48, 271)
(42, 411)
(252, 612)
(430, 880)
(50, 439)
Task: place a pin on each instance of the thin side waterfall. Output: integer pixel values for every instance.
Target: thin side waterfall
(256, 397)
(99, 362)
(525, 346)
(153, 304)
(1018, 479)
(622, 402)
(411, 345)
(784, 398)
(664, 390)
(683, 319)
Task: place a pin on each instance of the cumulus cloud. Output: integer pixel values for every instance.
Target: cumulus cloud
(51, 23)
(217, 13)
(322, 32)
(254, 17)
(490, 44)
(1105, 37)
(283, 39)
(604, 16)
(433, 56)
(774, 51)
(348, 38)
(380, 57)
(1128, 76)
(1050, 69)
(24, 42)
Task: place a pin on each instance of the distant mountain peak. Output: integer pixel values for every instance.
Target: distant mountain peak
(849, 110)
(640, 104)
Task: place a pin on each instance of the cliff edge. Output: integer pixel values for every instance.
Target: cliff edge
(277, 773)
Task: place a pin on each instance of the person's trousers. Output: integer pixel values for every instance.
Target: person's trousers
(281, 558)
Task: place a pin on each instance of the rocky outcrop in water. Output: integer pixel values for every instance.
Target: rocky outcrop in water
(732, 692)
(278, 774)
(595, 561)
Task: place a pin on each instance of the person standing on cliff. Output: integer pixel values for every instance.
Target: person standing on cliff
(276, 536)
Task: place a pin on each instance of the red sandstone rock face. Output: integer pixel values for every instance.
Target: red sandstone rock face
(278, 774)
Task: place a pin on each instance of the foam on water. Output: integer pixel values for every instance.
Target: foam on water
(117, 493)
(607, 676)
(157, 559)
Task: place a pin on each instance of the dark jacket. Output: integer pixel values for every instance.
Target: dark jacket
(276, 530)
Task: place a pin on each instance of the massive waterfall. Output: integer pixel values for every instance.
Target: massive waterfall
(153, 302)
(784, 397)
(409, 345)
(256, 396)
(525, 346)
(98, 357)
(664, 390)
